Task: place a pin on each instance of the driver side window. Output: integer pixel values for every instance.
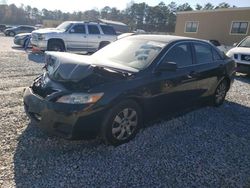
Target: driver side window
(180, 54)
(78, 29)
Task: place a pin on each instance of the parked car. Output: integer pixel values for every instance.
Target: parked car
(21, 39)
(241, 55)
(74, 36)
(220, 46)
(2, 27)
(19, 29)
(114, 90)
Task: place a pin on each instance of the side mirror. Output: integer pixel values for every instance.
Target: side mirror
(72, 31)
(235, 44)
(166, 66)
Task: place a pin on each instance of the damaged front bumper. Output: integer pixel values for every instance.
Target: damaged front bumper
(70, 121)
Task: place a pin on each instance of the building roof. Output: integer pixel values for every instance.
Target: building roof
(214, 10)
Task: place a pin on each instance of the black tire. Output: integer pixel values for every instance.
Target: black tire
(122, 123)
(103, 44)
(220, 93)
(11, 33)
(56, 46)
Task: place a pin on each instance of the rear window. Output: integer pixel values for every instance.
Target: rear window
(203, 53)
(108, 30)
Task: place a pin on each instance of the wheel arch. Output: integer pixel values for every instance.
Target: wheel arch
(56, 40)
(228, 80)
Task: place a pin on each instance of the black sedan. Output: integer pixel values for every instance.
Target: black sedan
(19, 29)
(113, 91)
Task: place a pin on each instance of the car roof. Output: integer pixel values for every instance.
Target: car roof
(164, 38)
(25, 26)
(84, 22)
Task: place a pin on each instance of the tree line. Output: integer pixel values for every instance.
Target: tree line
(159, 18)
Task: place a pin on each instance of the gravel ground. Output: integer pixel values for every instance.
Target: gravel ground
(208, 147)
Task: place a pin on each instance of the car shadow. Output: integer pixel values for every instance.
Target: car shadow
(36, 57)
(43, 161)
(17, 48)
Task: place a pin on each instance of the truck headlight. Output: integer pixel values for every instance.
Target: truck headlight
(80, 98)
(41, 37)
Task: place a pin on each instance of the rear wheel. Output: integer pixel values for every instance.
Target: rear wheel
(122, 123)
(220, 93)
(103, 44)
(56, 46)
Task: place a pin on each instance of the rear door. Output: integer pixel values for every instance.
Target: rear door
(94, 37)
(209, 67)
(76, 38)
(108, 33)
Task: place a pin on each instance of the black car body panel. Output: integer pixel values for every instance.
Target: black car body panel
(19, 29)
(154, 90)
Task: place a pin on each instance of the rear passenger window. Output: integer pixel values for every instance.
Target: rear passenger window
(203, 53)
(93, 29)
(180, 54)
(108, 30)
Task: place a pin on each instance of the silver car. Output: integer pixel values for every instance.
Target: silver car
(22, 39)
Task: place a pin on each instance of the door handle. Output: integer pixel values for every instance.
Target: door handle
(192, 74)
(99, 37)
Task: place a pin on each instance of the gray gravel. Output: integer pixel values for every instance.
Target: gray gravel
(208, 147)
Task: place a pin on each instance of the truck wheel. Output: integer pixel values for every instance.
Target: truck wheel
(56, 46)
(102, 44)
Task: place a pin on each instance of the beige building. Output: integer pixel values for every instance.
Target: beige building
(228, 26)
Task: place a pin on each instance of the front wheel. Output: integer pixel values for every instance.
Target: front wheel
(12, 33)
(56, 46)
(122, 123)
(220, 93)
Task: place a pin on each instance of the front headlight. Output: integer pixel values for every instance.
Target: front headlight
(41, 37)
(80, 98)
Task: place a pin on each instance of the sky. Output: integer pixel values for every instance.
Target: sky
(81, 5)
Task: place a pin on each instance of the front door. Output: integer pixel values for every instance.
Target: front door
(76, 39)
(172, 90)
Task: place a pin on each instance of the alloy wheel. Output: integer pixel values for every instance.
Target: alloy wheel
(124, 124)
(221, 93)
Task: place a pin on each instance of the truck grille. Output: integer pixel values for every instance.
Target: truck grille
(245, 57)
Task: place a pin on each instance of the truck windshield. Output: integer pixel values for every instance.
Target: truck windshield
(245, 43)
(64, 26)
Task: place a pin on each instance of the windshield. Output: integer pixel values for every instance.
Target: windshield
(131, 52)
(64, 26)
(245, 43)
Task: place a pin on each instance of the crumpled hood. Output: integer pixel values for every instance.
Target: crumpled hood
(63, 66)
(47, 30)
